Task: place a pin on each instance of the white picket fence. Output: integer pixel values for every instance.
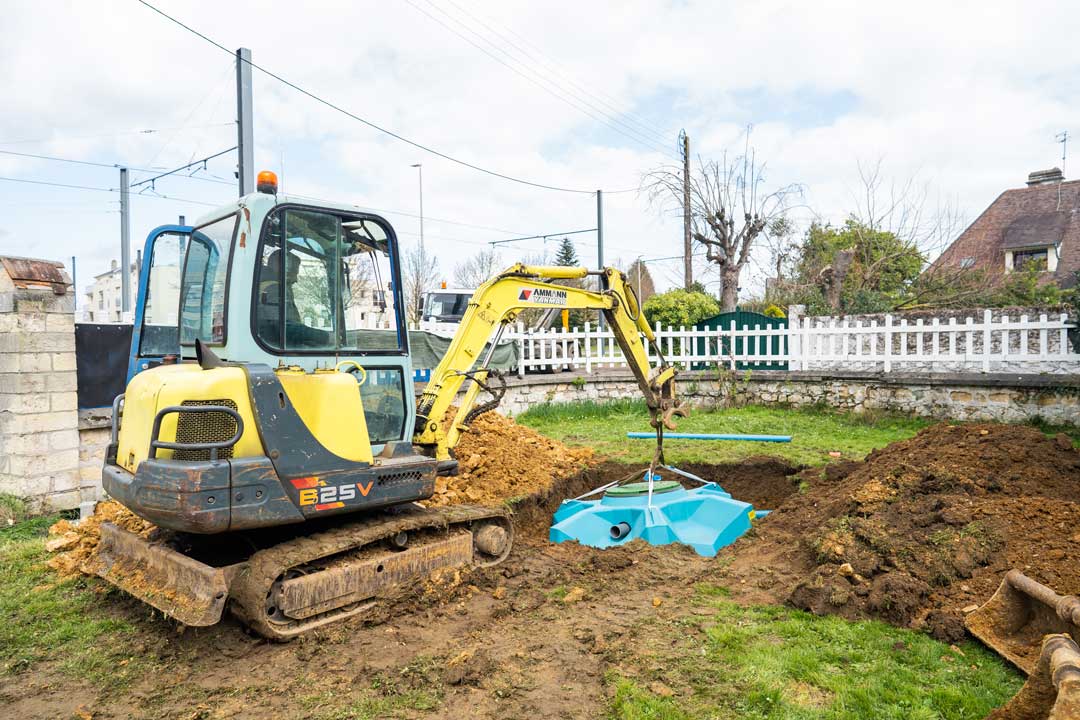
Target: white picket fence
(1020, 344)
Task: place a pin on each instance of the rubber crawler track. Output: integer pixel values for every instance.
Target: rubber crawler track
(250, 589)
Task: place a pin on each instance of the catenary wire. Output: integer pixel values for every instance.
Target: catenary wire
(374, 126)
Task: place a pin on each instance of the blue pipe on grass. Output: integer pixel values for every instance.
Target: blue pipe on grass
(705, 436)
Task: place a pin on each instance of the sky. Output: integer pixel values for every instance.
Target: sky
(964, 98)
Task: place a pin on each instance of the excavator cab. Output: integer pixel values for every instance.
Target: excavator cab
(274, 333)
(282, 283)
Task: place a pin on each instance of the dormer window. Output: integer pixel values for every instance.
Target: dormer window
(1031, 241)
(1031, 259)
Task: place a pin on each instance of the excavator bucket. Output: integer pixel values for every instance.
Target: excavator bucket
(1015, 619)
(1052, 691)
(179, 586)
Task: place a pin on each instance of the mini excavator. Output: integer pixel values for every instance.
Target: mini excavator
(269, 428)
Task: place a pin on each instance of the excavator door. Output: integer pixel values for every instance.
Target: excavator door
(155, 334)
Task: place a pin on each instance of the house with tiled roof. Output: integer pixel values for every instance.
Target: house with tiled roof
(1034, 226)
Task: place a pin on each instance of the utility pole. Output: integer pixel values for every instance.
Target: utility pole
(245, 133)
(125, 236)
(600, 242)
(688, 258)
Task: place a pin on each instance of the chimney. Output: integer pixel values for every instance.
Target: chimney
(112, 266)
(1045, 177)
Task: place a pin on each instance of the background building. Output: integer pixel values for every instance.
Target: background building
(102, 298)
(1037, 226)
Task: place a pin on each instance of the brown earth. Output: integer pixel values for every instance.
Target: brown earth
(72, 545)
(918, 531)
(533, 637)
(923, 528)
(500, 460)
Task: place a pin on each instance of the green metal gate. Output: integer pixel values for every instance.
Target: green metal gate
(743, 320)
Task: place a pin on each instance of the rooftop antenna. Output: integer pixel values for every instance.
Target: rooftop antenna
(1063, 138)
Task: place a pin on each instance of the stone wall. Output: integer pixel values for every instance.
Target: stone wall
(1006, 398)
(94, 435)
(39, 437)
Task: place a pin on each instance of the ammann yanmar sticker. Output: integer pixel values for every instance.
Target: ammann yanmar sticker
(543, 296)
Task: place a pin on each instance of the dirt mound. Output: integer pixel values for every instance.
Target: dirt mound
(72, 544)
(762, 481)
(499, 460)
(926, 527)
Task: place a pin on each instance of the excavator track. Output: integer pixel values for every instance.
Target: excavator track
(312, 581)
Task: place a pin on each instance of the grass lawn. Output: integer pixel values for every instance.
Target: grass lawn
(781, 663)
(719, 660)
(815, 432)
(65, 621)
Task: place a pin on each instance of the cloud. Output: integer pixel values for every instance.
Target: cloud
(967, 96)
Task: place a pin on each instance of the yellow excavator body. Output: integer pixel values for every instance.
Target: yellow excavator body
(264, 466)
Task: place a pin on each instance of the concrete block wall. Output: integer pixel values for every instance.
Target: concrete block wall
(39, 435)
(94, 435)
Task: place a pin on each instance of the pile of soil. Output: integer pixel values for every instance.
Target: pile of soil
(72, 545)
(499, 460)
(924, 529)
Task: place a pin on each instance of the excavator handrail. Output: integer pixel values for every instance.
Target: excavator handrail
(213, 447)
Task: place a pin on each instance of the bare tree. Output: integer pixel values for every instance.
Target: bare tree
(729, 210)
(421, 270)
(904, 209)
(641, 280)
(478, 269)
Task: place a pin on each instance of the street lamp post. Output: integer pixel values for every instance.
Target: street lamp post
(420, 172)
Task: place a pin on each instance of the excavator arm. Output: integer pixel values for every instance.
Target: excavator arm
(497, 303)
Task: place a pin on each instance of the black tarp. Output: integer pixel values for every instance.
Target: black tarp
(101, 359)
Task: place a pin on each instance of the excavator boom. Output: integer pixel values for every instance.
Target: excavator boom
(497, 303)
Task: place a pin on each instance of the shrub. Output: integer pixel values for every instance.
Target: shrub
(774, 311)
(680, 307)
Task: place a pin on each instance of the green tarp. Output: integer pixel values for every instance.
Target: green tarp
(428, 348)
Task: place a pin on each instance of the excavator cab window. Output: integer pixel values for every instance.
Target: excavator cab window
(323, 285)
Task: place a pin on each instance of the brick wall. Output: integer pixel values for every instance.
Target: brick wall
(39, 436)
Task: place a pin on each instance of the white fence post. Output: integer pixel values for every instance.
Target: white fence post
(824, 343)
(520, 332)
(888, 342)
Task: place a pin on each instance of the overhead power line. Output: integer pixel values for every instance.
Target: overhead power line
(148, 131)
(354, 116)
(202, 162)
(582, 104)
(59, 159)
(113, 166)
(542, 60)
(541, 237)
(101, 189)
